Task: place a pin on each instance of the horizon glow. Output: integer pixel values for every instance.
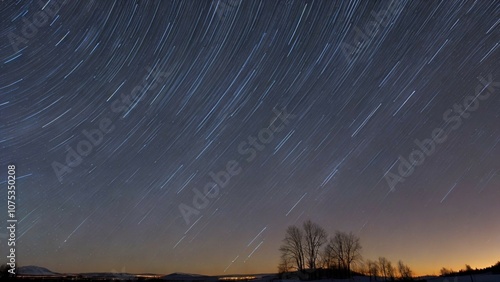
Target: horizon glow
(185, 136)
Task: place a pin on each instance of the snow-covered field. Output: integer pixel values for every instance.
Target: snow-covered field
(41, 271)
(474, 278)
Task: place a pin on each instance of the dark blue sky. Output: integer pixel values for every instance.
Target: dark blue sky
(117, 113)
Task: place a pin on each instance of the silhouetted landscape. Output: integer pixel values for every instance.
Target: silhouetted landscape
(250, 140)
(35, 273)
(308, 253)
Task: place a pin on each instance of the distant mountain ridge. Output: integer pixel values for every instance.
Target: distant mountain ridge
(35, 270)
(488, 274)
(178, 276)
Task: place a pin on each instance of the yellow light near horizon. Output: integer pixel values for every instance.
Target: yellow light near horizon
(237, 278)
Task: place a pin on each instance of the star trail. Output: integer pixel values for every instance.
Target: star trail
(185, 136)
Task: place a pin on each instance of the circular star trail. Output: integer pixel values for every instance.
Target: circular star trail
(162, 136)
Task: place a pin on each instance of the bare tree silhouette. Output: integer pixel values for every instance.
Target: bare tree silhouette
(386, 269)
(405, 273)
(445, 271)
(315, 237)
(345, 249)
(373, 269)
(300, 249)
(285, 265)
(293, 247)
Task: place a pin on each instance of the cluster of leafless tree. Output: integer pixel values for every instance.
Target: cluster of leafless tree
(309, 248)
(384, 269)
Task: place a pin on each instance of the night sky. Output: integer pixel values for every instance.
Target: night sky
(118, 113)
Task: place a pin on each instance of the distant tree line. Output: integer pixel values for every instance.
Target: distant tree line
(383, 269)
(307, 252)
(495, 269)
